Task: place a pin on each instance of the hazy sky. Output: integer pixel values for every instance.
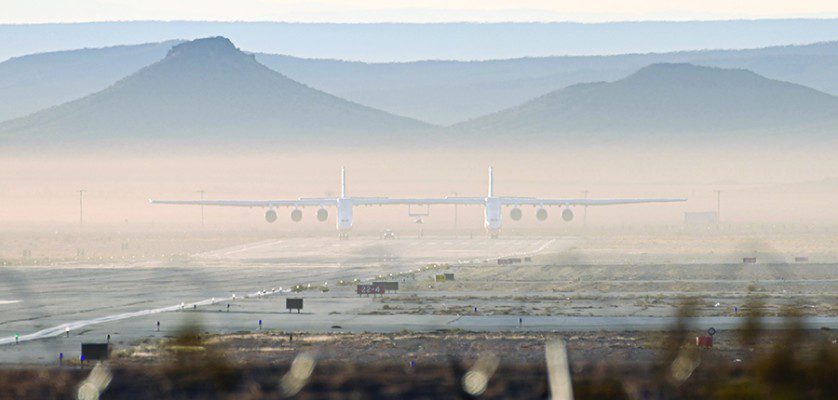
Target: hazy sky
(34, 11)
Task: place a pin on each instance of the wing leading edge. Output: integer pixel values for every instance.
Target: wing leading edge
(526, 201)
(251, 203)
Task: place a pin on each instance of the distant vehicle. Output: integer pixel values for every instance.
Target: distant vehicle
(492, 205)
(389, 234)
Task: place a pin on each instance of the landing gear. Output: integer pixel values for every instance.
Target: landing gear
(493, 235)
(343, 236)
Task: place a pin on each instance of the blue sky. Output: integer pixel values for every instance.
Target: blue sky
(38, 11)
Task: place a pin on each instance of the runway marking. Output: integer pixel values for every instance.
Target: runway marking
(247, 248)
(520, 253)
(61, 329)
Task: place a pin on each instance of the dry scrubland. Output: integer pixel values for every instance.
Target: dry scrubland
(777, 364)
(642, 275)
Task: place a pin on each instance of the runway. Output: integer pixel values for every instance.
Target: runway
(373, 250)
(125, 301)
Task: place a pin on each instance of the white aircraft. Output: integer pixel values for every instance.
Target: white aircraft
(344, 204)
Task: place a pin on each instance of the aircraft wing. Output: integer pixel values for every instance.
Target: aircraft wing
(419, 201)
(252, 203)
(527, 201)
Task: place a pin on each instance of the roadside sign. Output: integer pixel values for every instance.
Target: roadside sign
(370, 290)
(95, 351)
(388, 286)
(293, 304)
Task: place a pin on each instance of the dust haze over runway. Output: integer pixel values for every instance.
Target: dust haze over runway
(373, 250)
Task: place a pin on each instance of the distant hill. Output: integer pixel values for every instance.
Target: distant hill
(439, 92)
(32, 83)
(447, 92)
(675, 100)
(206, 91)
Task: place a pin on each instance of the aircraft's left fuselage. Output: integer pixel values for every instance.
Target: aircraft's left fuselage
(493, 216)
(344, 223)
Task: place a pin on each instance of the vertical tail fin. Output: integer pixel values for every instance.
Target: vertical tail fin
(491, 183)
(342, 182)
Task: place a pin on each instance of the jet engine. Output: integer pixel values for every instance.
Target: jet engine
(270, 215)
(296, 215)
(515, 214)
(541, 214)
(322, 214)
(567, 215)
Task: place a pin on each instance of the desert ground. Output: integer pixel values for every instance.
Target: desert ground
(580, 283)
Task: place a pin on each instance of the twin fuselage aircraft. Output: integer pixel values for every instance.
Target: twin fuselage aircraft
(493, 215)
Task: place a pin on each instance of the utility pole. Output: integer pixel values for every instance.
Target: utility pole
(81, 206)
(585, 213)
(202, 207)
(455, 214)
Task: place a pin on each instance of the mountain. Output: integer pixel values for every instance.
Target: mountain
(439, 92)
(447, 92)
(680, 100)
(207, 90)
(34, 82)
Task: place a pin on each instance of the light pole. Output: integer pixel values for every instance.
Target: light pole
(81, 206)
(455, 214)
(202, 206)
(585, 212)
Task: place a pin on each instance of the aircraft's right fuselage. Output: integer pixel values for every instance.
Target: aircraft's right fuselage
(493, 216)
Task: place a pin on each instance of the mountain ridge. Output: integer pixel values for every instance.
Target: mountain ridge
(666, 99)
(34, 82)
(206, 89)
(447, 92)
(439, 92)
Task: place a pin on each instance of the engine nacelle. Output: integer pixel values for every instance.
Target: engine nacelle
(567, 215)
(541, 214)
(515, 214)
(270, 216)
(296, 215)
(322, 214)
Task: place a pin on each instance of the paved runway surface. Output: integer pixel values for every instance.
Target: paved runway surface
(125, 302)
(39, 303)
